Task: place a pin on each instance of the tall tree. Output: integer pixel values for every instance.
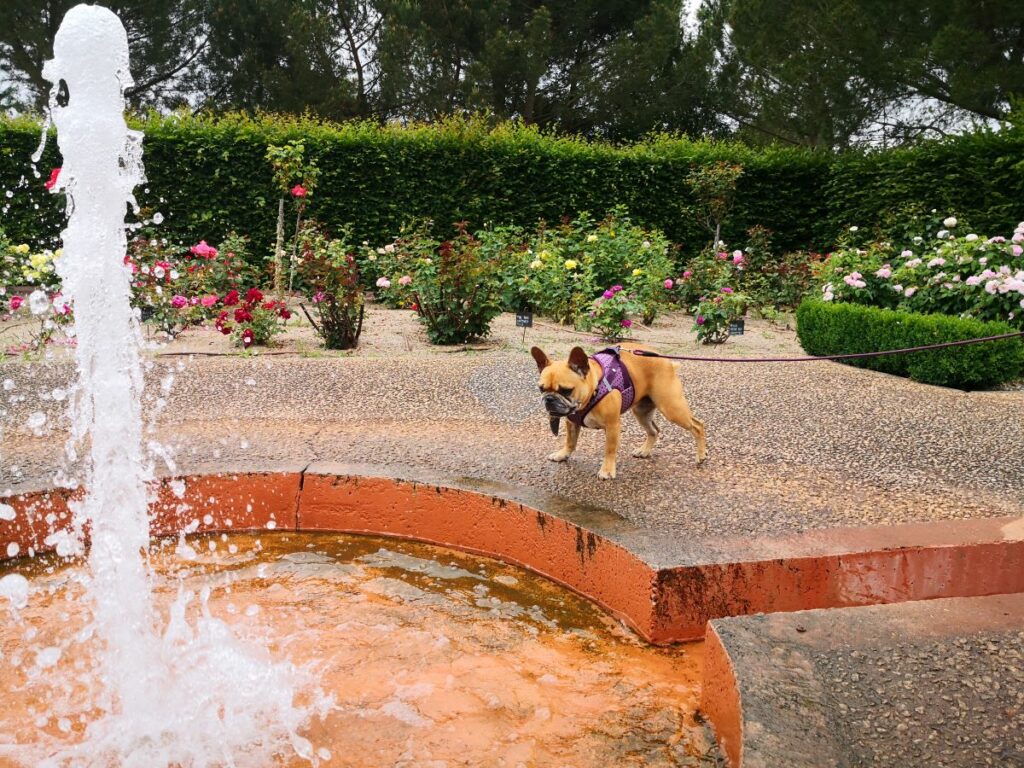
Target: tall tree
(825, 72)
(167, 40)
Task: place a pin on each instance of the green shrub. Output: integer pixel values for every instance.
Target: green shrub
(331, 277)
(454, 290)
(826, 328)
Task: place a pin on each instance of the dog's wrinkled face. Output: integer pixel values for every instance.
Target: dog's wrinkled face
(563, 385)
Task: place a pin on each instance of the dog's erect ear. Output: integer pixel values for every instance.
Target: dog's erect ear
(579, 362)
(540, 357)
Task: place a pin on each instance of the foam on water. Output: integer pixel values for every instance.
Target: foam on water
(170, 691)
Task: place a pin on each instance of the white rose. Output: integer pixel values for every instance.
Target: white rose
(854, 228)
(949, 222)
(971, 238)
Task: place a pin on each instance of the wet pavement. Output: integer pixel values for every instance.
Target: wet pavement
(937, 683)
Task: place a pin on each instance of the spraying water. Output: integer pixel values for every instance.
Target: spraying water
(173, 692)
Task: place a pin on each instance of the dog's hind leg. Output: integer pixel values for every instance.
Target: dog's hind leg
(672, 403)
(644, 412)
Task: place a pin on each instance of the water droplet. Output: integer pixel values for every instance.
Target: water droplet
(158, 218)
(6, 512)
(9, 194)
(13, 549)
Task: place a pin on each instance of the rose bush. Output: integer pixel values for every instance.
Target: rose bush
(966, 275)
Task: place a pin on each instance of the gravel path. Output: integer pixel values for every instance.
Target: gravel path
(792, 447)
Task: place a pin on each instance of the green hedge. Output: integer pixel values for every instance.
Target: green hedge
(826, 328)
(212, 176)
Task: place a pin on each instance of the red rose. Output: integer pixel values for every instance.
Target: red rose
(247, 338)
(54, 174)
(285, 314)
(242, 315)
(230, 298)
(16, 301)
(254, 295)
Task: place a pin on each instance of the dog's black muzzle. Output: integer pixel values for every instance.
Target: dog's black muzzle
(558, 407)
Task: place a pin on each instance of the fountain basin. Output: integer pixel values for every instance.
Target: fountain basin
(433, 657)
(665, 590)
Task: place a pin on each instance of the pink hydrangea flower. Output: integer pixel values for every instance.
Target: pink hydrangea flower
(179, 301)
(910, 291)
(885, 272)
(1017, 250)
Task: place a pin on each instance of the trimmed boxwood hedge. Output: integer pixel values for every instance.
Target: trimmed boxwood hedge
(208, 175)
(826, 328)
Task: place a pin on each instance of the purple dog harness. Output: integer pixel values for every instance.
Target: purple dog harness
(613, 376)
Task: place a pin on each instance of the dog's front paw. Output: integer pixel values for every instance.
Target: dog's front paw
(559, 456)
(642, 453)
(606, 474)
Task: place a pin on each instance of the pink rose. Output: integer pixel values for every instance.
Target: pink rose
(687, 274)
(700, 320)
(299, 191)
(727, 289)
(627, 323)
(607, 294)
(1017, 250)
(178, 302)
(203, 251)
(669, 284)
(15, 303)
(737, 257)
(208, 301)
(616, 288)
(54, 175)
(723, 255)
(404, 280)
(383, 282)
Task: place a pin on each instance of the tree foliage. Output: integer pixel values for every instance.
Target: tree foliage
(820, 73)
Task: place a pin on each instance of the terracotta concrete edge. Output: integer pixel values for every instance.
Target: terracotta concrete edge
(720, 701)
(592, 551)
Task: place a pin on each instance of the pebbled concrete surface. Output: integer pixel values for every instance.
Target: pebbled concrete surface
(937, 683)
(792, 448)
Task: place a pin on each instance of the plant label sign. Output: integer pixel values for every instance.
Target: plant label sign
(736, 327)
(524, 318)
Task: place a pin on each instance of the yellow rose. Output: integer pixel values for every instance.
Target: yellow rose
(544, 254)
(637, 272)
(536, 264)
(591, 238)
(22, 249)
(571, 264)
